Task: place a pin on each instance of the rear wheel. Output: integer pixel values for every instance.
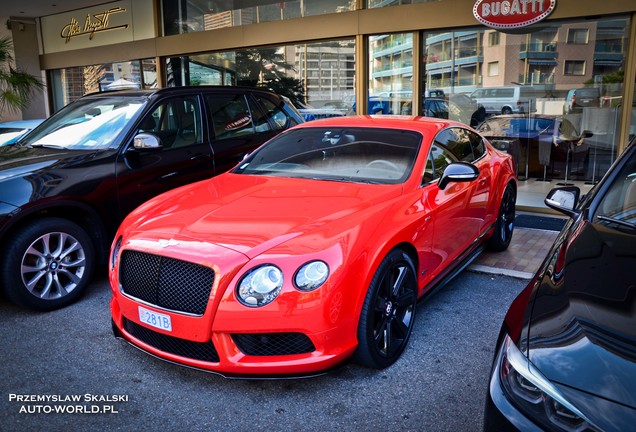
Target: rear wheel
(505, 221)
(388, 312)
(48, 264)
(506, 110)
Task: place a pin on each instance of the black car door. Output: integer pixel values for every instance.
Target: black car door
(238, 125)
(184, 155)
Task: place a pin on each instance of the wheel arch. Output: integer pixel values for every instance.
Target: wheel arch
(406, 247)
(83, 215)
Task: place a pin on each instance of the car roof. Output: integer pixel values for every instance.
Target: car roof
(413, 123)
(178, 90)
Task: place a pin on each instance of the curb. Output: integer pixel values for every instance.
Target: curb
(500, 271)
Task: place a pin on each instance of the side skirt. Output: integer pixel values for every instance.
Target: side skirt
(463, 261)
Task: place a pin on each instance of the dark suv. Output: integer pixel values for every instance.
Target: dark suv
(65, 188)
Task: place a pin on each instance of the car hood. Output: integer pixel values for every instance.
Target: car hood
(251, 214)
(582, 330)
(18, 161)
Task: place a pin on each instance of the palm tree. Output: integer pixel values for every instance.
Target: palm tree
(16, 86)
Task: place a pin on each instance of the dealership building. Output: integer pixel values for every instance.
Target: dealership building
(530, 60)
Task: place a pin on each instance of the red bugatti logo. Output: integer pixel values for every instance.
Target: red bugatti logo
(511, 14)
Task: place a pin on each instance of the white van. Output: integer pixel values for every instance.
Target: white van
(502, 100)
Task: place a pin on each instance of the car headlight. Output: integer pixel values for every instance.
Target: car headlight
(311, 275)
(534, 394)
(260, 286)
(115, 252)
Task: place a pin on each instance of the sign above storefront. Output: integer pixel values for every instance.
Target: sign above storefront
(96, 26)
(512, 14)
(93, 24)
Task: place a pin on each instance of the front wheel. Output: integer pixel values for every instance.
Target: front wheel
(48, 264)
(388, 312)
(505, 221)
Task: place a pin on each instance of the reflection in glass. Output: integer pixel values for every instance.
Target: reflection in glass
(187, 16)
(391, 74)
(572, 69)
(318, 78)
(72, 83)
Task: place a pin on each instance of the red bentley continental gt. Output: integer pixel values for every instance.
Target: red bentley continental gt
(314, 249)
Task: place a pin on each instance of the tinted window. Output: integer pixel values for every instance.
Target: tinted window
(438, 160)
(230, 114)
(276, 115)
(176, 121)
(619, 203)
(465, 145)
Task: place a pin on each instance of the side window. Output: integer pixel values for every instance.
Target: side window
(619, 202)
(477, 143)
(438, 159)
(458, 142)
(276, 115)
(230, 114)
(176, 122)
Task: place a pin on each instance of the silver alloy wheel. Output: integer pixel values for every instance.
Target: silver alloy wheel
(53, 265)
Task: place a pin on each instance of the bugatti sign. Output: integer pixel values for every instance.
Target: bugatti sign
(512, 14)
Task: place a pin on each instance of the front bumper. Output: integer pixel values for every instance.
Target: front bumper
(269, 349)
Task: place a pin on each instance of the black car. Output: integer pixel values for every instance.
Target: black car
(65, 188)
(566, 354)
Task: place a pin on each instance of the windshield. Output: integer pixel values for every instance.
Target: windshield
(366, 155)
(87, 124)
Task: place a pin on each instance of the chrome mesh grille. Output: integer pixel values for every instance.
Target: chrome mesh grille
(168, 283)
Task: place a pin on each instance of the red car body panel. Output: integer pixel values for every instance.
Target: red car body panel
(236, 222)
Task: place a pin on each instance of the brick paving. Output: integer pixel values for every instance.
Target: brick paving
(523, 257)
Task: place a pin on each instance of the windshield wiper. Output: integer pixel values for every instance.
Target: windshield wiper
(617, 221)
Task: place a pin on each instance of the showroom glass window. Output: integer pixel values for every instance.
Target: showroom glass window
(72, 83)
(187, 16)
(384, 3)
(560, 68)
(318, 78)
(391, 74)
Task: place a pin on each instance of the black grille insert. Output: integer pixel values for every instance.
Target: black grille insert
(273, 344)
(166, 282)
(204, 351)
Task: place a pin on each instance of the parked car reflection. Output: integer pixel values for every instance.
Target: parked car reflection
(542, 146)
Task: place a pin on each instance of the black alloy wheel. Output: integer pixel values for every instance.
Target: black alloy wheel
(388, 312)
(505, 224)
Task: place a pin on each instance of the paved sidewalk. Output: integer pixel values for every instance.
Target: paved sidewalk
(523, 257)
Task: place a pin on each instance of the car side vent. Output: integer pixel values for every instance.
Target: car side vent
(273, 344)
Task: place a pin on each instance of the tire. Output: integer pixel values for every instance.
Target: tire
(48, 264)
(505, 224)
(388, 312)
(506, 110)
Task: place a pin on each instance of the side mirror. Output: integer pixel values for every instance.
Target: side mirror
(144, 141)
(458, 172)
(564, 200)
